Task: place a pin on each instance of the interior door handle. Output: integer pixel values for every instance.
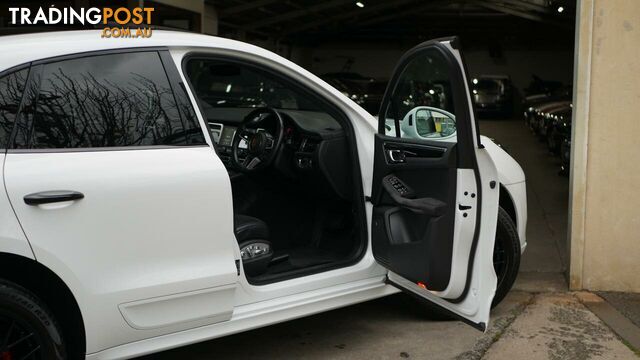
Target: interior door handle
(52, 196)
(399, 156)
(396, 156)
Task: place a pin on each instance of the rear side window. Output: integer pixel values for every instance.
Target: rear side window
(11, 90)
(110, 100)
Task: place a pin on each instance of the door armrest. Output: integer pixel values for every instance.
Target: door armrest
(426, 206)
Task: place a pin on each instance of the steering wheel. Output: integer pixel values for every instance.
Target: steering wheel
(261, 146)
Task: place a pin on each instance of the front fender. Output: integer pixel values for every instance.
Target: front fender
(509, 171)
(512, 178)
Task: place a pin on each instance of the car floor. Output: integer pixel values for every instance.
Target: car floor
(305, 231)
(539, 319)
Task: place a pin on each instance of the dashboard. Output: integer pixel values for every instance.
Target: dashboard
(222, 136)
(314, 146)
(302, 133)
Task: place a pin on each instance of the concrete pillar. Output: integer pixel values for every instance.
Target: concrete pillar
(605, 178)
(210, 20)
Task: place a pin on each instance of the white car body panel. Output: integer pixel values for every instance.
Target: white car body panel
(138, 254)
(118, 309)
(476, 304)
(252, 316)
(12, 239)
(518, 194)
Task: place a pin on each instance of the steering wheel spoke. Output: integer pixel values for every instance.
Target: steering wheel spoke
(261, 145)
(253, 163)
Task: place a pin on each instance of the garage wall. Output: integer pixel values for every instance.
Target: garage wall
(379, 63)
(605, 216)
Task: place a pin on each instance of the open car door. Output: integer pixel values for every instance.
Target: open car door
(435, 190)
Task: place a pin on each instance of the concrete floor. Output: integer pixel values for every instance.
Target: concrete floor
(538, 319)
(547, 195)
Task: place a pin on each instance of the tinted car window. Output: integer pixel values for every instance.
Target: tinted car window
(423, 84)
(11, 90)
(108, 101)
(488, 85)
(220, 84)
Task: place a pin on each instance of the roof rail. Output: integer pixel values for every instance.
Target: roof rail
(17, 30)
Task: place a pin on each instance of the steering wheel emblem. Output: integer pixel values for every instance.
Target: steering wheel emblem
(262, 146)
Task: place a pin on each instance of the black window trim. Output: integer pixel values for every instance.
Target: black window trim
(12, 70)
(458, 91)
(167, 65)
(466, 139)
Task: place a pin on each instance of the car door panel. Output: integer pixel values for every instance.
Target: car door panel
(394, 224)
(142, 235)
(147, 227)
(432, 234)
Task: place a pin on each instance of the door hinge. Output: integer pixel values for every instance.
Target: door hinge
(238, 267)
(367, 198)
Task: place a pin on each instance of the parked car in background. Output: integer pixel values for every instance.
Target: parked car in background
(538, 86)
(535, 103)
(542, 115)
(565, 156)
(561, 138)
(555, 126)
(493, 95)
(364, 91)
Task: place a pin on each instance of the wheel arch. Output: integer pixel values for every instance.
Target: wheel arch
(55, 294)
(506, 202)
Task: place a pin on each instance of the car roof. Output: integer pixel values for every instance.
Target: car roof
(25, 48)
(21, 49)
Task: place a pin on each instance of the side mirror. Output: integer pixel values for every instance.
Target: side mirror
(428, 123)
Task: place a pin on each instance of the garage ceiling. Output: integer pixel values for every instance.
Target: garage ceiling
(541, 22)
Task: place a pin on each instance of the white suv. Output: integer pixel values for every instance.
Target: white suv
(164, 191)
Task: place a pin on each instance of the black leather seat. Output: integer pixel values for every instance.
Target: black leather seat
(250, 228)
(253, 238)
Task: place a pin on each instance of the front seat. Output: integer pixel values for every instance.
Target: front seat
(253, 238)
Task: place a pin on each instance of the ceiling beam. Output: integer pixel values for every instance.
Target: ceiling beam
(524, 4)
(244, 7)
(518, 13)
(349, 14)
(399, 14)
(296, 13)
(510, 11)
(375, 20)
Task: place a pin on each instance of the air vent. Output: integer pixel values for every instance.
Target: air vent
(216, 131)
(308, 145)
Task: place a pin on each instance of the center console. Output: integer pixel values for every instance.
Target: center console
(223, 137)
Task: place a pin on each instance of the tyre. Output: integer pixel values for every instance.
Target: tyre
(506, 255)
(27, 328)
(506, 263)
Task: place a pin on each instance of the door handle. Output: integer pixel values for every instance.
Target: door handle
(396, 156)
(399, 156)
(52, 196)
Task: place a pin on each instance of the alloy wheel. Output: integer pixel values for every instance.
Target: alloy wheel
(18, 340)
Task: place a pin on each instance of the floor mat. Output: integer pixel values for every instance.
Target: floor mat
(301, 258)
(305, 257)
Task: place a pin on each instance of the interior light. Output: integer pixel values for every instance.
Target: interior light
(475, 81)
(560, 9)
(475, 91)
(228, 88)
(432, 92)
(359, 4)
